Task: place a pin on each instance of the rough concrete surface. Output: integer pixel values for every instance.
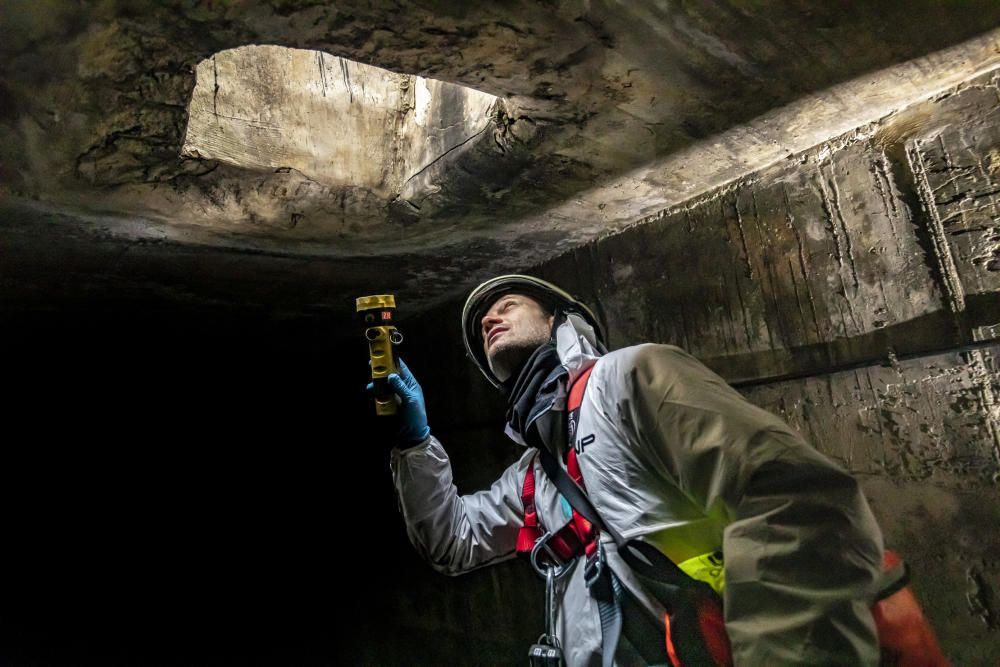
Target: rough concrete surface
(924, 436)
(598, 98)
(833, 257)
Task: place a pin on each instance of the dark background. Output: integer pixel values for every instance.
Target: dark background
(193, 486)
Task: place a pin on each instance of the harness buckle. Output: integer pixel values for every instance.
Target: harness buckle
(594, 567)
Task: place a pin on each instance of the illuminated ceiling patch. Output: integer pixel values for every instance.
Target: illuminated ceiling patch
(336, 121)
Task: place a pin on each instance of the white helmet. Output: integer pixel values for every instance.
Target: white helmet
(484, 296)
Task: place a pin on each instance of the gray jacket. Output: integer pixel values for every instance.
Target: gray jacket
(681, 460)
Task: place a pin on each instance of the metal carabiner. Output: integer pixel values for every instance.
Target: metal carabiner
(558, 567)
(547, 652)
(550, 607)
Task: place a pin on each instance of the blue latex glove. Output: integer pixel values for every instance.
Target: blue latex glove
(411, 413)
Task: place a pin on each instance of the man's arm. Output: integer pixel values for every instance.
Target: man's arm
(802, 551)
(453, 533)
(456, 533)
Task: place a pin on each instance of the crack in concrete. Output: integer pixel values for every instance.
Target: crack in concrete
(949, 271)
(322, 70)
(834, 213)
(967, 196)
(803, 265)
(251, 122)
(983, 379)
(743, 310)
(347, 78)
(215, 89)
(768, 280)
(730, 321)
(742, 230)
(445, 154)
(883, 184)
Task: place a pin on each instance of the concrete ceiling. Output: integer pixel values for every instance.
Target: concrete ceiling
(608, 114)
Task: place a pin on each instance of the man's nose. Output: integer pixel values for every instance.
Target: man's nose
(488, 322)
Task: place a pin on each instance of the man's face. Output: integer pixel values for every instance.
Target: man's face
(513, 327)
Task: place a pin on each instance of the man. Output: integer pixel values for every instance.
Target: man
(670, 455)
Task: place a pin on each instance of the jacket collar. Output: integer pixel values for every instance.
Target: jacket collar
(577, 346)
(578, 349)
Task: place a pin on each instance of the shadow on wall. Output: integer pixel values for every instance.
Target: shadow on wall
(936, 332)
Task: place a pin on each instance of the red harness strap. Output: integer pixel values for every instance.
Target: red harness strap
(529, 530)
(904, 633)
(579, 535)
(576, 391)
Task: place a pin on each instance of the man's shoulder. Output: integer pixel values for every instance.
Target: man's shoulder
(618, 365)
(643, 353)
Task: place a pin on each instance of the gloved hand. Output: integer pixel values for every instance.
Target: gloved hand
(411, 414)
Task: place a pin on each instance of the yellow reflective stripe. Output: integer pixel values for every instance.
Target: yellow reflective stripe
(708, 568)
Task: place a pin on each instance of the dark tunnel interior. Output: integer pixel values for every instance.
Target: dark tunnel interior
(187, 487)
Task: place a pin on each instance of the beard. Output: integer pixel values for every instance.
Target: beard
(506, 361)
(508, 356)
